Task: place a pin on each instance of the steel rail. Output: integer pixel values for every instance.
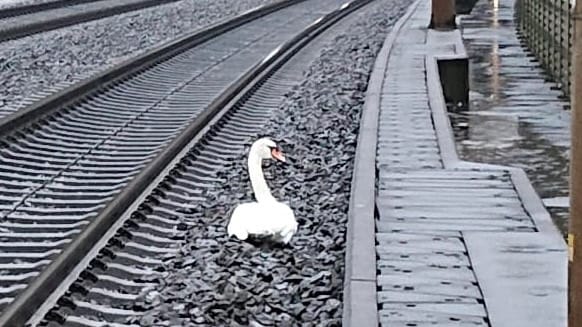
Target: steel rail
(72, 94)
(34, 8)
(37, 24)
(120, 207)
(186, 43)
(59, 173)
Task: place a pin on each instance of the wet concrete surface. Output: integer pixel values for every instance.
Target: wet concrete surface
(515, 117)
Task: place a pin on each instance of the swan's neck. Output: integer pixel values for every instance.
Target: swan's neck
(260, 187)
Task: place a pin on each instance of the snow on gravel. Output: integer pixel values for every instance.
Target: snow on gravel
(17, 3)
(50, 61)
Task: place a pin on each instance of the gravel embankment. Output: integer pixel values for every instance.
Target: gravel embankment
(4, 4)
(216, 281)
(50, 61)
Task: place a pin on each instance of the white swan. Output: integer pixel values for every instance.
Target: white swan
(267, 216)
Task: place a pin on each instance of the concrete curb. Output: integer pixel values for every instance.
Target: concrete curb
(360, 307)
(531, 201)
(492, 253)
(360, 285)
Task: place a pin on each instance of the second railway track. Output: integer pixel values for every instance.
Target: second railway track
(26, 20)
(26, 9)
(61, 171)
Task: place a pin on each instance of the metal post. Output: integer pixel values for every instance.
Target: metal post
(560, 46)
(544, 30)
(575, 230)
(565, 46)
(571, 45)
(443, 14)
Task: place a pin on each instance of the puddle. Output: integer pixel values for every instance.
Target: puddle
(514, 117)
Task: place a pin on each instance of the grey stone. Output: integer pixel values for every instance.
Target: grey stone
(260, 284)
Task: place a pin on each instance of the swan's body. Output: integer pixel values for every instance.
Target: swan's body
(267, 216)
(274, 219)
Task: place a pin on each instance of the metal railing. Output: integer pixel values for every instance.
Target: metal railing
(546, 28)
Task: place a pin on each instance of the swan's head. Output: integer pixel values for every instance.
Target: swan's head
(266, 148)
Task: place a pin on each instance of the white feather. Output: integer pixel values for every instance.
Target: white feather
(274, 219)
(267, 216)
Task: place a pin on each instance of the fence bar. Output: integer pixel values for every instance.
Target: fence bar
(546, 27)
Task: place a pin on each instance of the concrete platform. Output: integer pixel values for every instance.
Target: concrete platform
(445, 242)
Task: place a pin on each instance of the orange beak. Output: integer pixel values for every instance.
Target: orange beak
(278, 154)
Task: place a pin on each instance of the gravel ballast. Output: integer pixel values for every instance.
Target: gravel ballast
(4, 4)
(44, 63)
(217, 281)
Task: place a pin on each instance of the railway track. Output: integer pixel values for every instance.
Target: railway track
(62, 174)
(146, 233)
(17, 22)
(19, 10)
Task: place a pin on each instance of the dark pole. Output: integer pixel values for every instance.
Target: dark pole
(443, 14)
(575, 228)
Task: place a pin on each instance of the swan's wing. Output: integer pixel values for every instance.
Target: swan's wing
(238, 224)
(263, 219)
(285, 211)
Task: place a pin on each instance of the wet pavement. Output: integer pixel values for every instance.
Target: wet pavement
(455, 240)
(515, 117)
